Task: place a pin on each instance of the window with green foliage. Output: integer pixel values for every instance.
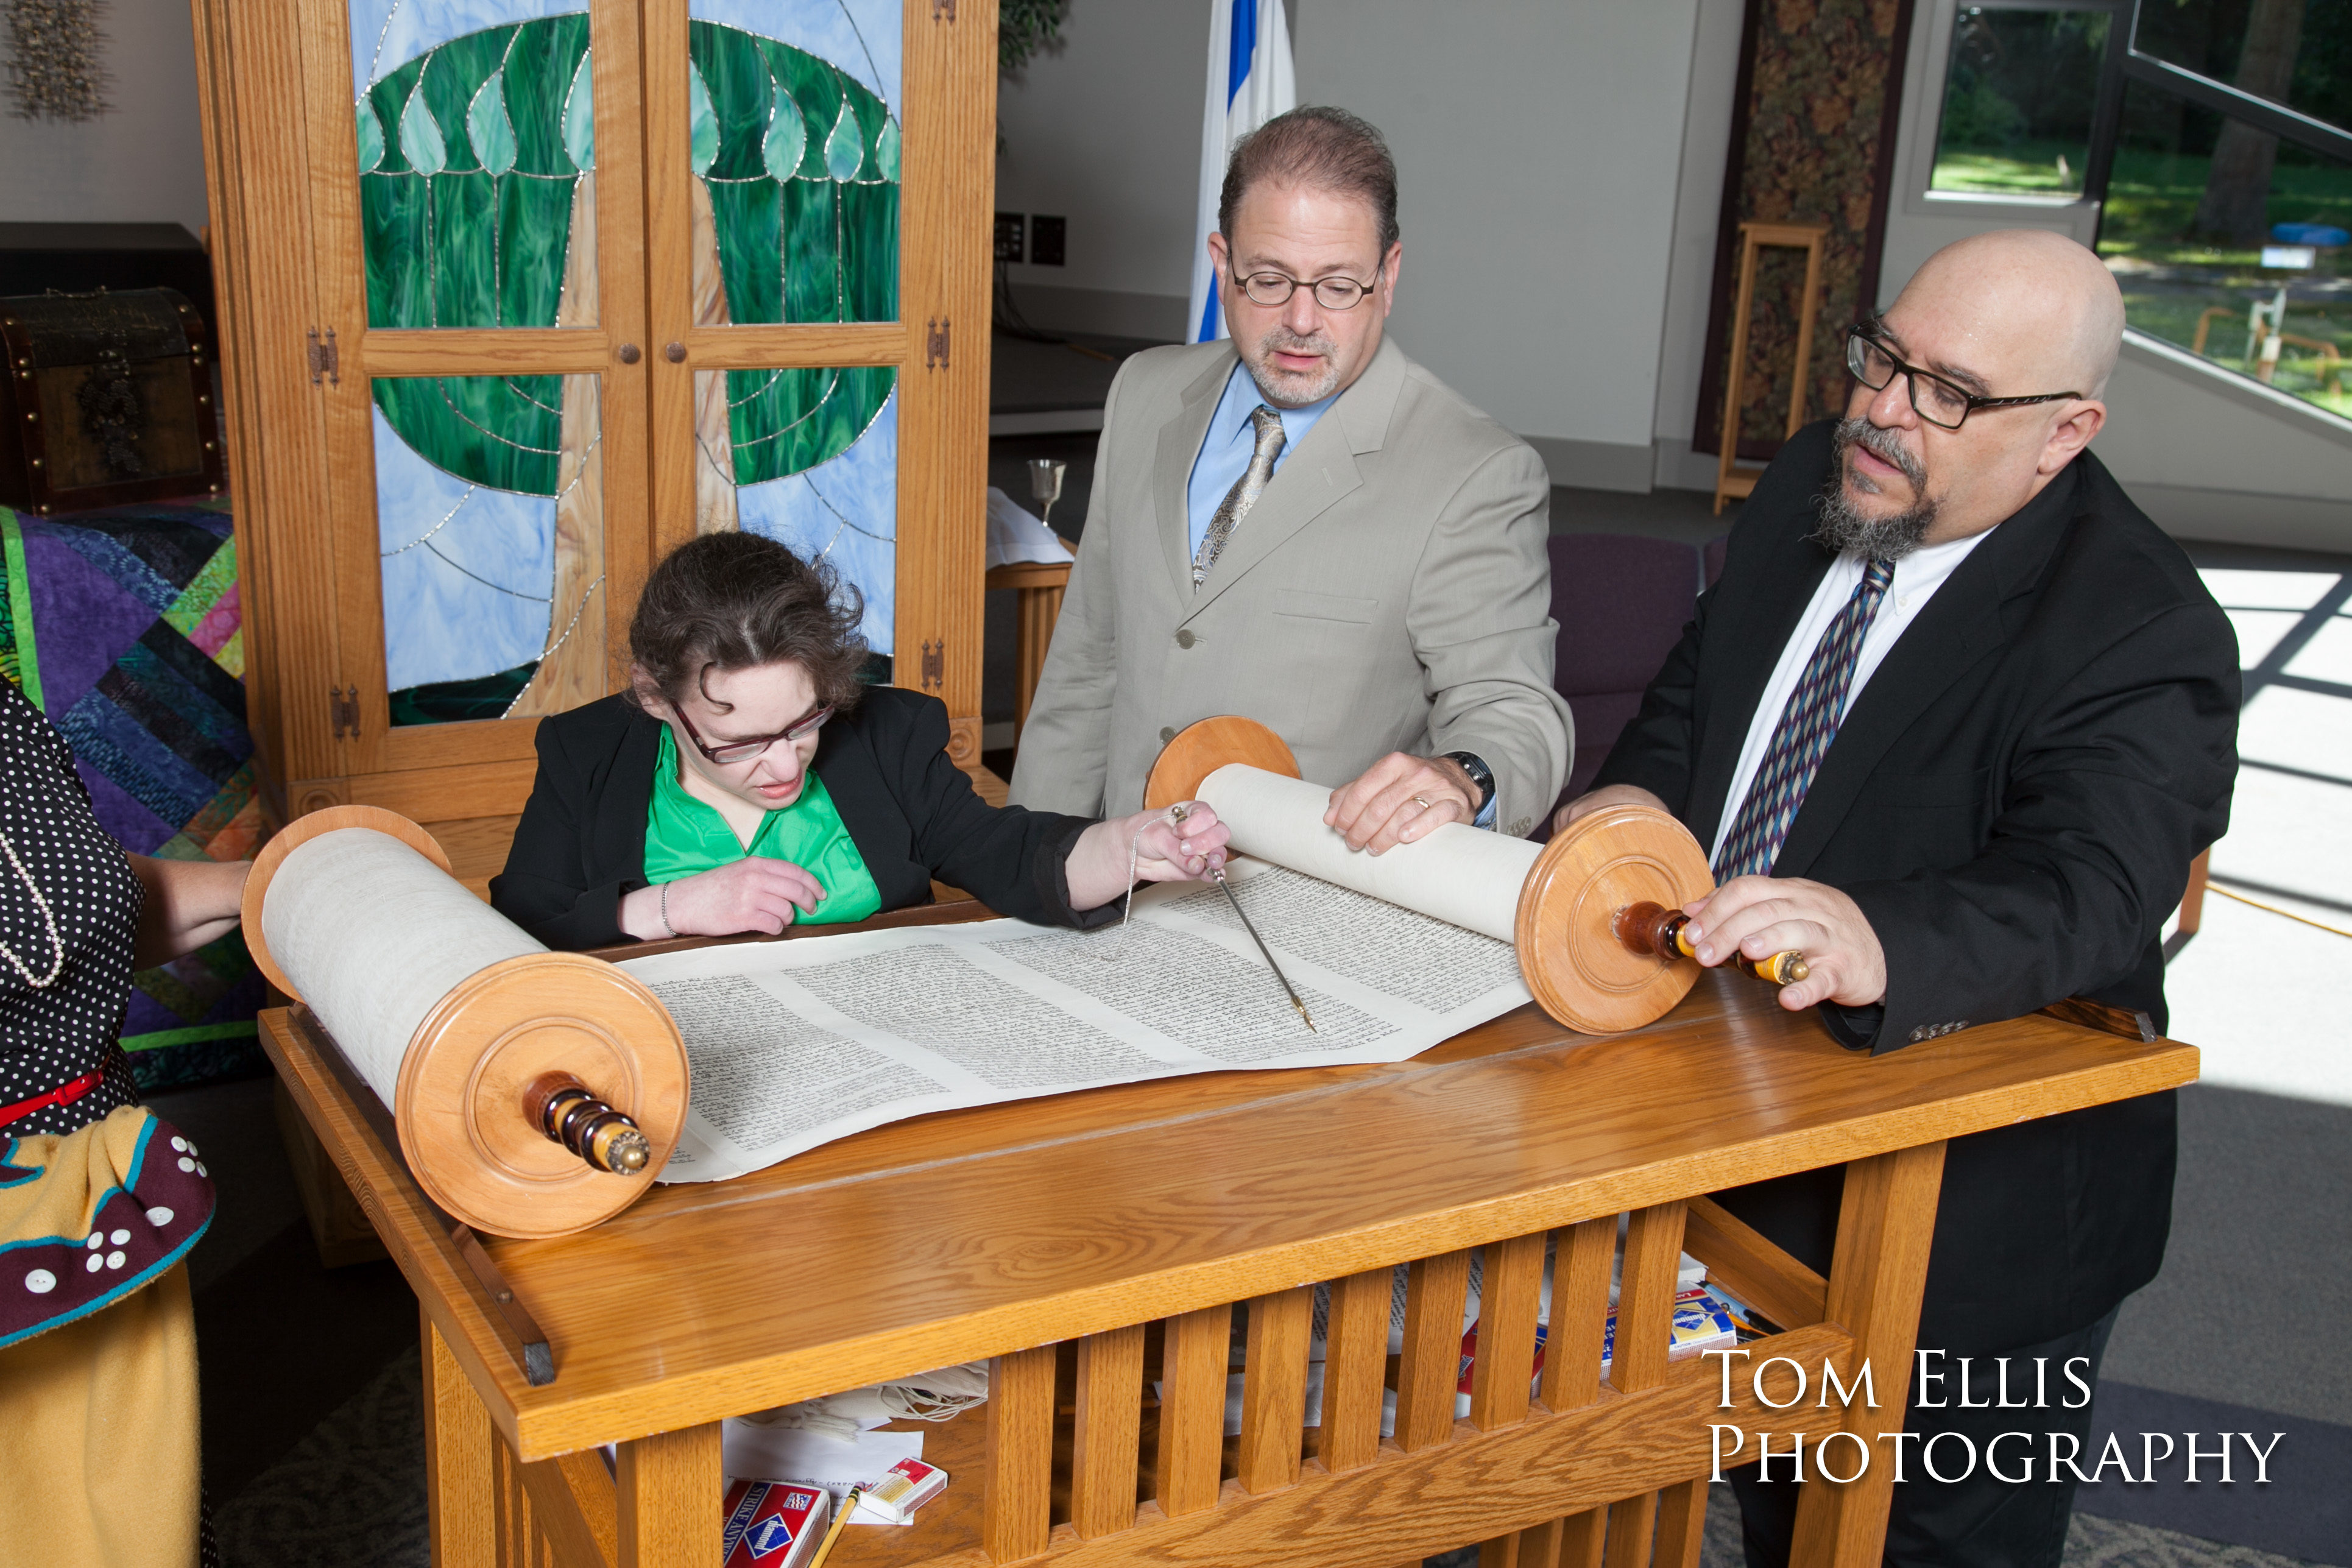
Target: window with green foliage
(2208, 251)
(2018, 101)
(2217, 137)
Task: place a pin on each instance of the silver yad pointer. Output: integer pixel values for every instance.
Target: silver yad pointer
(1180, 812)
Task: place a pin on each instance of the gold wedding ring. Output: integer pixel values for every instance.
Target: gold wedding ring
(1422, 801)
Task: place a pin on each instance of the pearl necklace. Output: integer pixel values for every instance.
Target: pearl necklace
(57, 964)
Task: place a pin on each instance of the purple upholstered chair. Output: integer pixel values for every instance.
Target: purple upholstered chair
(1621, 602)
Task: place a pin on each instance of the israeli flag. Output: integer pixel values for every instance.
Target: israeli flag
(1250, 82)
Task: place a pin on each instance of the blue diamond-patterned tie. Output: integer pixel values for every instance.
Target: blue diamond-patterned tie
(1808, 724)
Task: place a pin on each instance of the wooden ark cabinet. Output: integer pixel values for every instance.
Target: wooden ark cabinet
(516, 295)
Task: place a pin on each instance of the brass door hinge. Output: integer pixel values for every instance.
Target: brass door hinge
(935, 665)
(343, 710)
(936, 342)
(326, 359)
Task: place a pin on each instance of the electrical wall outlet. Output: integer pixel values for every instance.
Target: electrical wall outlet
(1008, 236)
(1046, 239)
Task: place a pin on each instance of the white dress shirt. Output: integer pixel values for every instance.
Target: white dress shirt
(1916, 577)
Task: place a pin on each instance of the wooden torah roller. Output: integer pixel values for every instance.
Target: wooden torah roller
(1594, 914)
(536, 1093)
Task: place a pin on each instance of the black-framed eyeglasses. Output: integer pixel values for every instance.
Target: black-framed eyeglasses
(1331, 293)
(729, 752)
(1939, 402)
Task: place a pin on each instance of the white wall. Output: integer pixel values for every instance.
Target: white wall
(1698, 214)
(1540, 154)
(144, 162)
(1537, 148)
(1106, 131)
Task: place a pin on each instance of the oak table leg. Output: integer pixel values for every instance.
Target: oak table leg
(1682, 1524)
(1581, 1537)
(1017, 1488)
(460, 1480)
(1876, 1278)
(1105, 1431)
(669, 1491)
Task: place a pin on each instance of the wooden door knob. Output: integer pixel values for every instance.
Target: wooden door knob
(675, 353)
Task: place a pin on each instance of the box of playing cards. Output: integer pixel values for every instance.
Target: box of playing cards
(773, 1524)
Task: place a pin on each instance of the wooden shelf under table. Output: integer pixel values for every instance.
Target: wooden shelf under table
(1069, 1231)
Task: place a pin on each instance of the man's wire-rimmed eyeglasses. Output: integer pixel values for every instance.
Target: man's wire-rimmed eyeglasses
(1331, 293)
(1934, 399)
(728, 751)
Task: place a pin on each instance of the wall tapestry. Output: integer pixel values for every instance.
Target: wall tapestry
(56, 66)
(1812, 141)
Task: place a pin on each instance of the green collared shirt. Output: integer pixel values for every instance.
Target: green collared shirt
(684, 836)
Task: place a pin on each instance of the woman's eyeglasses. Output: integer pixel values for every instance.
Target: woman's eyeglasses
(728, 751)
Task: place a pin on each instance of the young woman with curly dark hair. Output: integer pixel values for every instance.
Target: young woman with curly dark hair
(747, 782)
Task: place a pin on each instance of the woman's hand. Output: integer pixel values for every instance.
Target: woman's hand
(1168, 852)
(754, 894)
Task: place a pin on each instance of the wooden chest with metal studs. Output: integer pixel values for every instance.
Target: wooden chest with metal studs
(108, 398)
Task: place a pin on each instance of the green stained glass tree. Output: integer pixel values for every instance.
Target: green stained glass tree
(801, 165)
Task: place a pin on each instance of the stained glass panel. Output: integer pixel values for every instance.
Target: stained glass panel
(795, 144)
(809, 458)
(477, 152)
(489, 507)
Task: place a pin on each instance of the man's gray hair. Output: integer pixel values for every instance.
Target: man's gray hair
(1326, 148)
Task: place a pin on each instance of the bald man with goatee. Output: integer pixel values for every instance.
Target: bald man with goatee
(1954, 722)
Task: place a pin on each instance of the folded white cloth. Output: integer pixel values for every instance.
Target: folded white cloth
(1016, 535)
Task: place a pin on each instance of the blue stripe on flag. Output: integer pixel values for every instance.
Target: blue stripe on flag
(1243, 46)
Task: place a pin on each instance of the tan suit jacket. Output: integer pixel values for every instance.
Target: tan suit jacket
(1390, 592)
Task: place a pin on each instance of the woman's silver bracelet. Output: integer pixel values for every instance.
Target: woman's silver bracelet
(665, 911)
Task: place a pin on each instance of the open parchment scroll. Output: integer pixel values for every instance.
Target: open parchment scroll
(795, 1044)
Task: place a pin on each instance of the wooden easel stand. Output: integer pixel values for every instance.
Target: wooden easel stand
(1734, 481)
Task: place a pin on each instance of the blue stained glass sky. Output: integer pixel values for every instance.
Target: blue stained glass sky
(861, 36)
(834, 513)
(439, 623)
(386, 34)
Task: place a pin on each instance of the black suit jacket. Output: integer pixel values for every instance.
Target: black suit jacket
(911, 812)
(2013, 800)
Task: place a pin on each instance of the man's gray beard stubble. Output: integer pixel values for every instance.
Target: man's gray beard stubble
(1273, 381)
(1844, 527)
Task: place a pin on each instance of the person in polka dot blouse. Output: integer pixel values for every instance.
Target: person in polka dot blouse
(100, 1200)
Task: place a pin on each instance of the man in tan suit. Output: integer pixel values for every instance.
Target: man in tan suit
(1304, 526)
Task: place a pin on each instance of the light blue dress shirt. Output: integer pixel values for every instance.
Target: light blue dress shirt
(1225, 451)
(1225, 457)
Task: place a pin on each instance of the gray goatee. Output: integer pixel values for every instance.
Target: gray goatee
(1845, 527)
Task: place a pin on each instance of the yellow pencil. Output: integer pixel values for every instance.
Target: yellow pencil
(825, 1547)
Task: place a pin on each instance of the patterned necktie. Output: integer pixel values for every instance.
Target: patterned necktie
(1244, 493)
(1808, 724)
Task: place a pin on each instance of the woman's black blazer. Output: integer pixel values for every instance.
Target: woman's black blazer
(911, 812)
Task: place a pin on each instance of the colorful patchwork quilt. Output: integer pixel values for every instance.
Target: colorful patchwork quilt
(123, 625)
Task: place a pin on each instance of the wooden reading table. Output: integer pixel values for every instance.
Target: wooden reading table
(1095, 1243)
